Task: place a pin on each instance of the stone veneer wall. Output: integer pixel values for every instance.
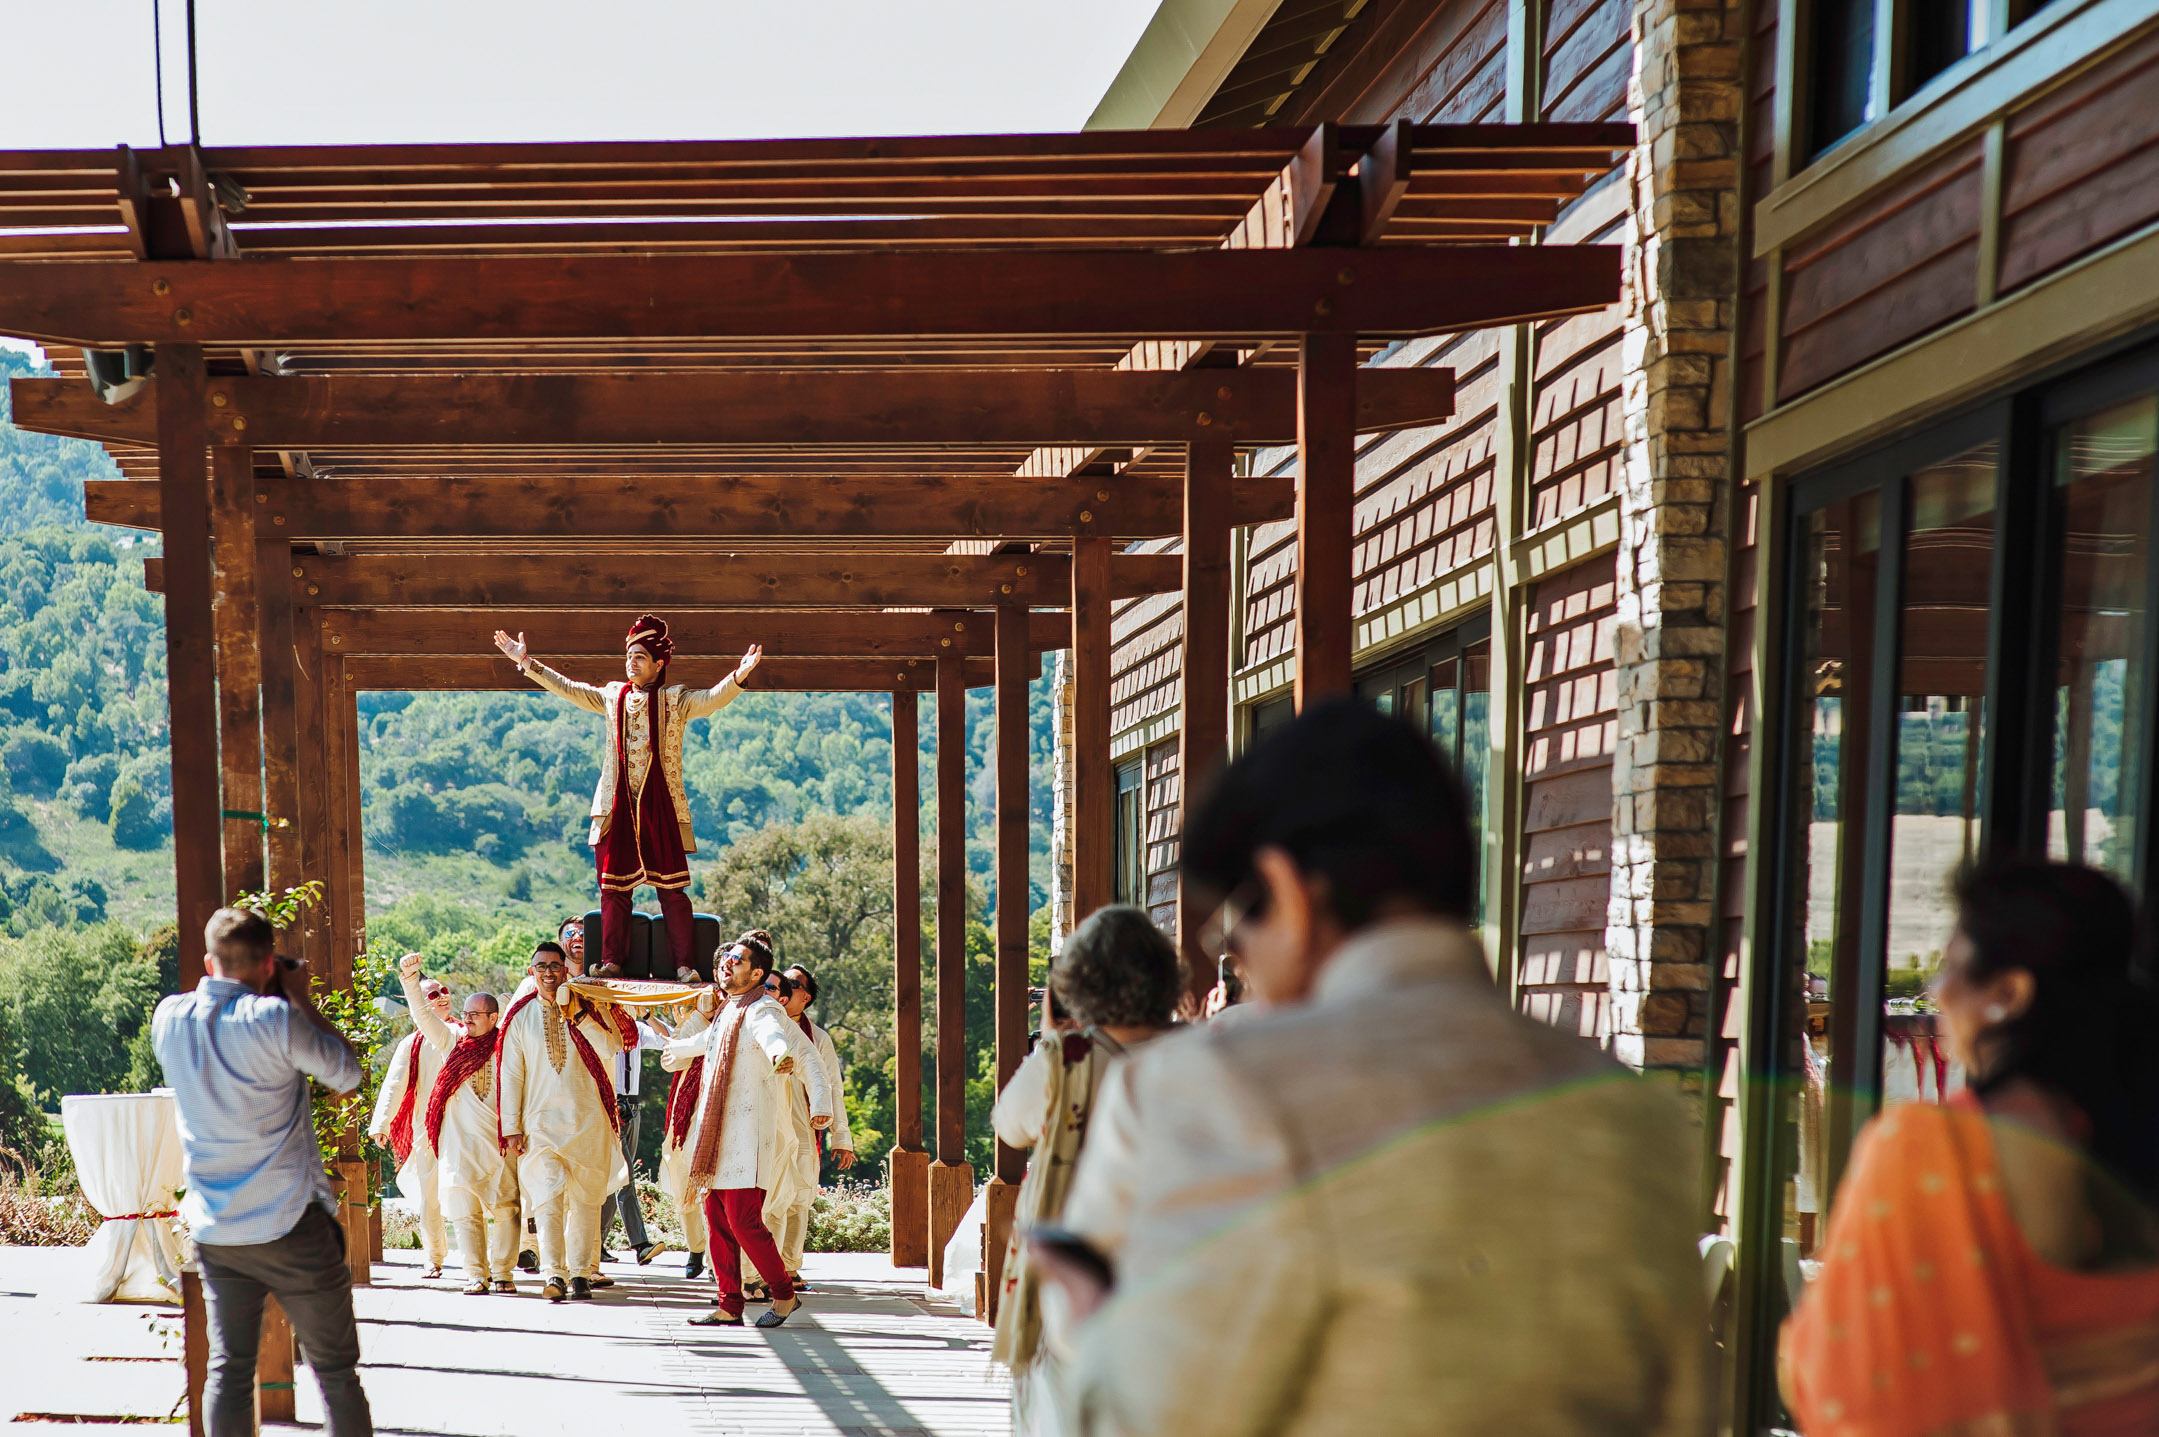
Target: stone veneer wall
(1685, 100)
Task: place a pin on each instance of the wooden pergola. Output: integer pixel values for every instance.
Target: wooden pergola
(892, 407)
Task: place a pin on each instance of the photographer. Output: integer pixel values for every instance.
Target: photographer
(238, 1053)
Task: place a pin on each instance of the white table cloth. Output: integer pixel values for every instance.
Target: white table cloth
(127, 1157)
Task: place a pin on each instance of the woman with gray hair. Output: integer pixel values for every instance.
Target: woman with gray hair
(1117, 982)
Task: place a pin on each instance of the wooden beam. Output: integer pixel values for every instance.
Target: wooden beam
(632, 582)
(190, 652)
(1203, 729)
(738, 407)
(1094, 862)
(1326, 498)
(239, 666)
(785, 633)
(1130, 294)
(906, 506)
(483, 673)
(907, 1166)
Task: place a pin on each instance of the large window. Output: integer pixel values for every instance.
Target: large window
(1444, 688)
(1861, 58)
(1132, 832)
(1967, 669)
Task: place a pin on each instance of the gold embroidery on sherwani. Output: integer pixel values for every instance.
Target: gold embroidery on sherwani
(558, 1036)
(480, 1080)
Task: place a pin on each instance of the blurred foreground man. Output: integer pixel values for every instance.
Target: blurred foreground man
(238, 1053)
(1390, 1204)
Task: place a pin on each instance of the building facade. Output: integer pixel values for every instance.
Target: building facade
(1754, 604)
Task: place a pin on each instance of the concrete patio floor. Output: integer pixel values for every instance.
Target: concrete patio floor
(867, 1356)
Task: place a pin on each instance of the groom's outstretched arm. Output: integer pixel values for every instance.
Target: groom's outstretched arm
(585, 696)
(699, 702)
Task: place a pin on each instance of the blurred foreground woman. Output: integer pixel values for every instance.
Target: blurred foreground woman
(1992, 1264)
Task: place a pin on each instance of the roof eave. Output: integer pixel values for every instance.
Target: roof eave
(1181, 59)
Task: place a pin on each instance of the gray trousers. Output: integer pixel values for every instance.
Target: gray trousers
(306, 1270)
(625, 1203)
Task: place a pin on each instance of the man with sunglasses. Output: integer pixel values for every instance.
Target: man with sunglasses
(414, 1064)
(1388, 1202)
(558, 1118)
(742, 1047)
(457, 1118)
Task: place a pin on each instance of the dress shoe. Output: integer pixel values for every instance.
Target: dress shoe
(782, 1309)
(528, 1261)
(600, 1280)
(694, 1267)
(716, 1318)
(580, 1290)
(648, 1252)
(553, 1290)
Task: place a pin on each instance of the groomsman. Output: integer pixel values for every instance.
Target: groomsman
(735, 1136)
(558, 1118)
(395, 1124)
(837, 1139)
(477, 1183)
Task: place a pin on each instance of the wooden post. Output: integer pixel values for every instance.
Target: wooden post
(1014, 663)
(1094, 852)
(952, 1179)
(1203, 733)
(194, 1347)
(341, 772)
(908, 1164)
(311, 785)
(274, 1399)
(1326, 489)
(277, 645)
(183, 443)
(239, 666)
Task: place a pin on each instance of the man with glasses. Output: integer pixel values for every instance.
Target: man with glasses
(558, 1118)
(458, 1120)
(795, 1228)
(395, 1124)
(746, 1046)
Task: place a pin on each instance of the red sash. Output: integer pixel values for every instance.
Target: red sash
(468, 1057)
(401, 1125)
(682, 1100)
(585, 1050)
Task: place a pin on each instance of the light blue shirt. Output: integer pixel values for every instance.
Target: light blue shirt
(238, 1064)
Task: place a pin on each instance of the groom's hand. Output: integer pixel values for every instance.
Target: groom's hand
(514, 649)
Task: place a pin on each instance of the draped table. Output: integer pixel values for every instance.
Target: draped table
(127, 1157)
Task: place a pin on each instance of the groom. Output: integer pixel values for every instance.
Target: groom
(640, 817)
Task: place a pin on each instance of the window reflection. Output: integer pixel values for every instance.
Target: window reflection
(2103, 497)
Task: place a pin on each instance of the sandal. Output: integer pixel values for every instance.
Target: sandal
(716, 1318)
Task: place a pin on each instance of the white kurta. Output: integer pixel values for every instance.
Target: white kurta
(838, 1137)
(548, 1096)
(409, 1070)
(756, 1150)
(471, 1156)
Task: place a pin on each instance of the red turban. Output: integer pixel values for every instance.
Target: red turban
(650, 632)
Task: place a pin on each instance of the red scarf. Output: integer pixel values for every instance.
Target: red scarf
(401, 1125)
(682, 1100)
(468, 1057)
(705, 1158)
(585, 1050)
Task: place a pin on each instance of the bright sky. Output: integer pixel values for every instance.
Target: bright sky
(79, 73)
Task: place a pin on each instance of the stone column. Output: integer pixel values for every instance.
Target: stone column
(1681, 282)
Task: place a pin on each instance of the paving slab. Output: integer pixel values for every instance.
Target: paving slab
(869, 1355)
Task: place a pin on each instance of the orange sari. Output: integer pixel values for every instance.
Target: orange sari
(1932, 1317)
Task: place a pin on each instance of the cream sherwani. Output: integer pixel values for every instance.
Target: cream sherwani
(675, 1180)
(414, 1065)
(757, 1135)
(1399, 1206)
(793, 1232)
(477, 1183)
(572, 1159)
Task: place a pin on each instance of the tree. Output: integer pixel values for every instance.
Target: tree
(74, 1002)
(135, 818)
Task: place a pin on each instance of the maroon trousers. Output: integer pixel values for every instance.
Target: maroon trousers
(615, 928)
(735, 1219)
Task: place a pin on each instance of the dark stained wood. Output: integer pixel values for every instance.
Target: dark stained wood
(734, 506)
(495, 581)
(772, 406)
(312, 788)
(339, 831)
(1094, 868)
(352, 1157)
(239, 665)
(1203, 734)
(907, 1166)
(492, 673)
(1326, 493)
(487, 581)
(277, 644)
(2081, 167)
(190, 651)
(1389, 293)
(1016, 668)
(952, 1066)
(785, 633)
(1894, 267)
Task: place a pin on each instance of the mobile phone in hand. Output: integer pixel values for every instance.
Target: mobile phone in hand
(1232, 986)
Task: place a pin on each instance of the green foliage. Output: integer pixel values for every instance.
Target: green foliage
(851, 1217)
(354, 1014)
(74, 1002)
(283, 908)
(138, 823)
